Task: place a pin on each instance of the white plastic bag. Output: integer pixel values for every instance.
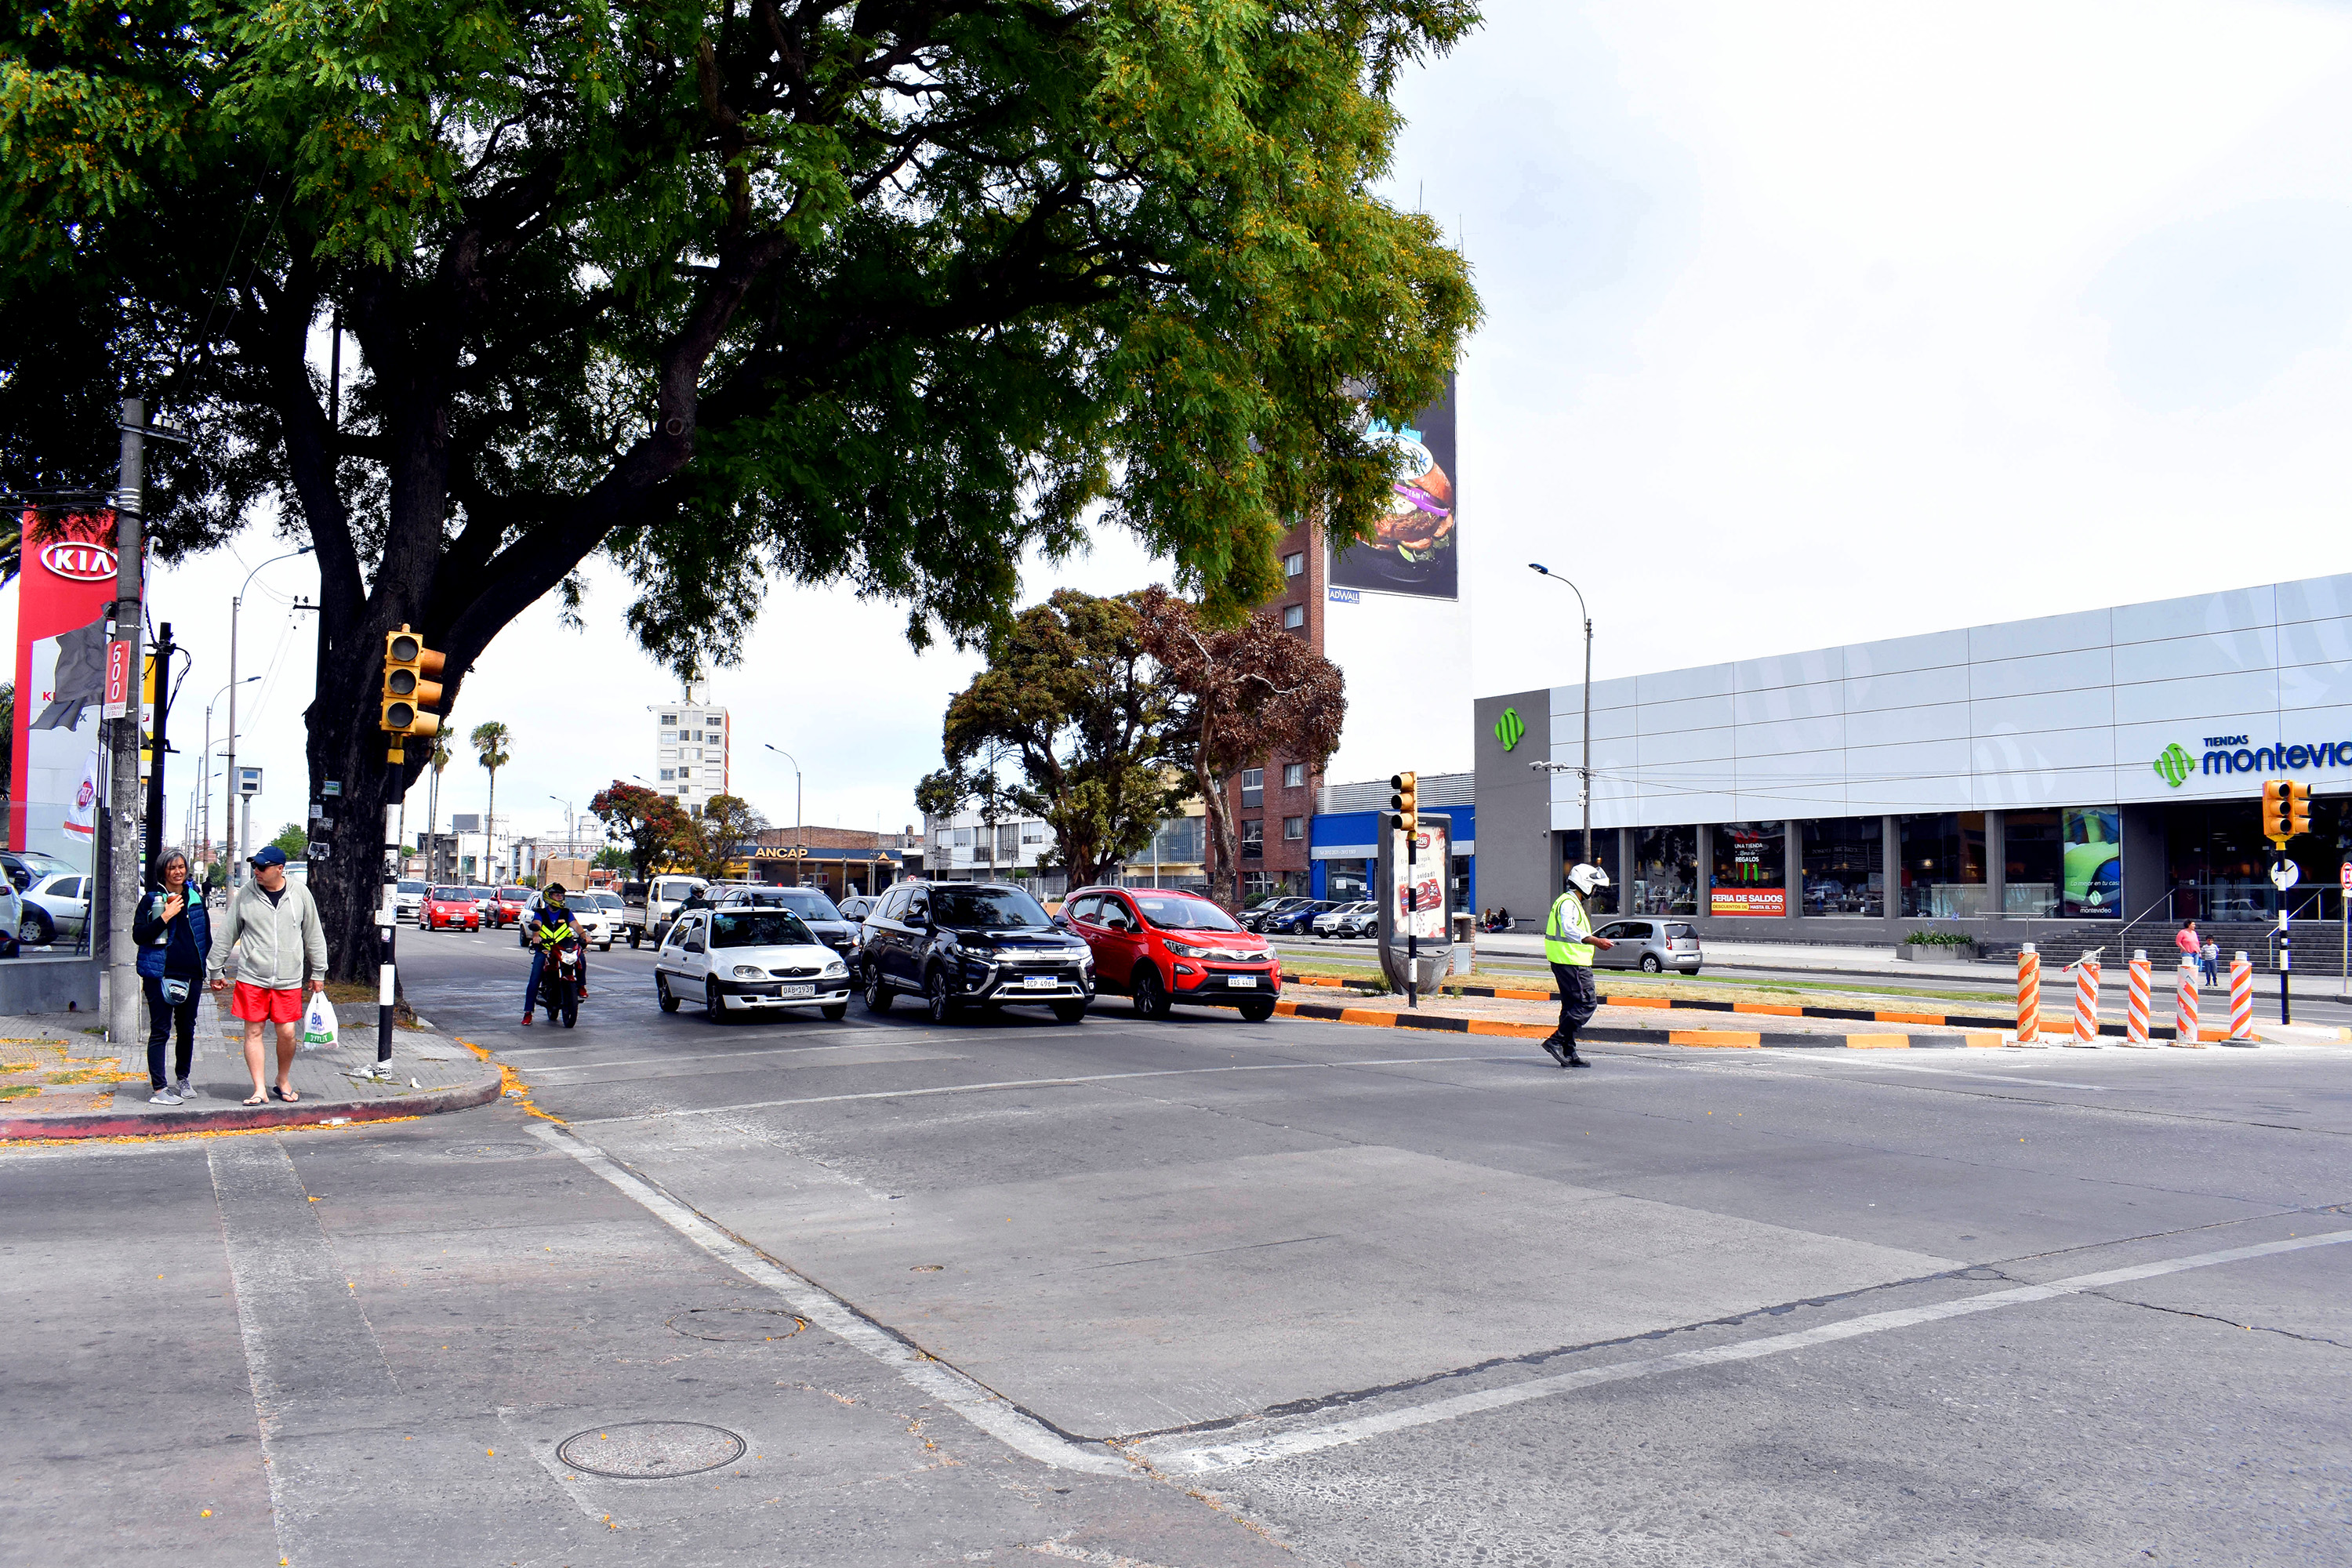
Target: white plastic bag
(319, 1023)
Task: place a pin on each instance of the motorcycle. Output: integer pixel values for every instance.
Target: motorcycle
(565, 981)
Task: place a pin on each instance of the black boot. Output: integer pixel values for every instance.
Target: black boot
(1570, 1060)
(1552, 1048)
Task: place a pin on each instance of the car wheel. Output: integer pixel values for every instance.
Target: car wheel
(941, 1001)
(37, 929)
(607, 947)
(633, 938)
(1151, 997)
(661, 990)
(877, 991)
(1258, 1011)
(836, 1013)
(712, 1007)
(1652, 964)
(1069, 1012)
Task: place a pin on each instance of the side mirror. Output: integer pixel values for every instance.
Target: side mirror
(1063, 922)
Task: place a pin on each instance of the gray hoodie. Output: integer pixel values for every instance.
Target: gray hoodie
(272, 944)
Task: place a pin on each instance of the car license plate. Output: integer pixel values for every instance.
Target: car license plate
(792, 990)
(1242, 981)
(1040, 981)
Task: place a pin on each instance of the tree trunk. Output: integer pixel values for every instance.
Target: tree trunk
(1222, 835)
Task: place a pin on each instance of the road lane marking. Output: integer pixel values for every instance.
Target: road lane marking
(1033, 1083)
(985, 1409)
(1203, 1458)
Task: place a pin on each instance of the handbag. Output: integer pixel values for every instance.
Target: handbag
(174, 991)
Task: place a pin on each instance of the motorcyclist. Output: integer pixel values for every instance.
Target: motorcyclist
(548, 925)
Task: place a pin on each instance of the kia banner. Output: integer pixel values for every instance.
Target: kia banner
(61, 681)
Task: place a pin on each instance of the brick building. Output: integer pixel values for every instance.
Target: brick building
(1273, 805)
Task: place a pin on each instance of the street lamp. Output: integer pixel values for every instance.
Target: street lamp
(234, 604)
(569, 833)
(1584, 769)
(208, 756)
(797, 831)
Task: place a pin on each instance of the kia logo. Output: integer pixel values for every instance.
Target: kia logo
(82, 562)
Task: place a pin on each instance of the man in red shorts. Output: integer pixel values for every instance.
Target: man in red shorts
(275, 934)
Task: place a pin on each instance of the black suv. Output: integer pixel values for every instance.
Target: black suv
(815, 910)
(964, 945)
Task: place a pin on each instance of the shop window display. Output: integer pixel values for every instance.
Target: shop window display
(2033, 862)
(2092, 885)
(1666, 872)
(1943, 865)
(1844, 863)
(1750, 871)
(1604, 901)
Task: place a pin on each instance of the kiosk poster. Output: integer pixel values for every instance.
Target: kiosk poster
(67, 581)
(1413, 547)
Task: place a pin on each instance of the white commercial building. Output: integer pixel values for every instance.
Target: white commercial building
(690, 749)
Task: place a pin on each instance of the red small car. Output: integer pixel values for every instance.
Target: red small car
(512, 902)
(1163, 947)
(449, 909)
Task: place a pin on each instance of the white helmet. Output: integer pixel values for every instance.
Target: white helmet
(1584, 879)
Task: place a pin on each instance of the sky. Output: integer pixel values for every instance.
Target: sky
(1804, 325)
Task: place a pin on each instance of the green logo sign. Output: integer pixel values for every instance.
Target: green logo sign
(2174, 765)
(1509, 730)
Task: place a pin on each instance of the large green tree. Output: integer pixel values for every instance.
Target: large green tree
(879, 292)
(1070, 694)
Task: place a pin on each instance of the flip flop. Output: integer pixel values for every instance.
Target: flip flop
(287, 1095)
(257, 1100)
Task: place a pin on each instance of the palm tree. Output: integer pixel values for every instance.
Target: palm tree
(490, 742)
(440, 759)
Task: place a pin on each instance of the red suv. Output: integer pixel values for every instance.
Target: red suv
(1163, 947)
(449, 909)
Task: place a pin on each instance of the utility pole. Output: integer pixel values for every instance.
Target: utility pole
(1584, 769)
(121, 715)
(158, 744)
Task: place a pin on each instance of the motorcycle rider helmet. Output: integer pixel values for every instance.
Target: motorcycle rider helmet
(552, 890)
(1584, 879)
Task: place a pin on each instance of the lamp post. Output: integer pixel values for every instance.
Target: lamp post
(1584, 769)
(569, 832)
(234, 605)
(798, 832)
(208, 758)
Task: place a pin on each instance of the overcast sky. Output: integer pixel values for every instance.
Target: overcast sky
(1805, 324)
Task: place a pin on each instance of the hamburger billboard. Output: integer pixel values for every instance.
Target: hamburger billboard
(1414, 549)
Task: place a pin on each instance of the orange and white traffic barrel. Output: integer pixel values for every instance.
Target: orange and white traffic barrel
(2028, 996)
(2086, 1003)
(2242, 998)
(2135, 1001)
(2184, 1010)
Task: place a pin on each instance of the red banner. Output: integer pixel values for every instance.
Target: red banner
(1750, 902)
(61, 678)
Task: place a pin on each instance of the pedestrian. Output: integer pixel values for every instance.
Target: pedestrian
(174, 934)
(2212, 962)
(2191, 946)
(274, 934)
(1568, 946)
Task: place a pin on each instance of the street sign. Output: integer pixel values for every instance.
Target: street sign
(2343, 874)
(118, 679)
(2285, 875)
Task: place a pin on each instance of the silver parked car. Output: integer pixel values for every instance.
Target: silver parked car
(1651, 946)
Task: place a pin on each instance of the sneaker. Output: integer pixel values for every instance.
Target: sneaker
(526, 1018)
(163, 1097)
(182, 1091)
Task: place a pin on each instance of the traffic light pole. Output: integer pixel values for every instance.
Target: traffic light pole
(1411, 936)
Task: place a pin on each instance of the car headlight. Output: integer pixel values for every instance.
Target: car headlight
(1186, 950)
(836, 970)
(746, 971)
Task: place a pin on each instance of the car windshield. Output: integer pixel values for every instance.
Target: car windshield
(606, 900)
(1184, 914)
(412, 887)
(514, 895)
(809, 904)
(758, 928)
(989, 908)
(448, 895)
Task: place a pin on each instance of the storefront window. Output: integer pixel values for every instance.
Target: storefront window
(1750, 874)
(1943, 865)
(1666, 872)
(1606, 900)
(1845, 865)
(2033, 859)
(1347, 880)
(2218, 863)
(2094, 885)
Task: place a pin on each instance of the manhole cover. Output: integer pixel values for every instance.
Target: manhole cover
(736, 1323)
(495, 1151)
(650, 1451)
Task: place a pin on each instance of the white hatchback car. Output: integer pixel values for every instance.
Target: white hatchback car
(599, 914)
(748, 961)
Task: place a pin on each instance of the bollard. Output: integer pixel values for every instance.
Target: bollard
(2086, 1003)
(2184, 1007)
(2136, 1002)
(2242, 998)
(2028, 996)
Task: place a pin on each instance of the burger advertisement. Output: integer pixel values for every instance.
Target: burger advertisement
(1413, 545)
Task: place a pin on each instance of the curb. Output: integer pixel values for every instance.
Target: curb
(1741, 1039)
(242, 1119)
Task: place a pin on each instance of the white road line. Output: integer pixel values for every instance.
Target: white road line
(748, 1057)
(934, 1378)
(1031, 1083)
(1165, 1454)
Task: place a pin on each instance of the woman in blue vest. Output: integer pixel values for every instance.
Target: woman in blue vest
(175, 939)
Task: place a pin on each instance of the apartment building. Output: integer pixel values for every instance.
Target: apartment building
(691, 747)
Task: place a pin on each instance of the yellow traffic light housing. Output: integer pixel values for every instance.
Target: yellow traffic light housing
(408, 690)
(1403, 803)
(2287, 810)
(2298, 808)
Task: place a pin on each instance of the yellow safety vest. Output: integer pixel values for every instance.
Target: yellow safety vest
(1558, 947)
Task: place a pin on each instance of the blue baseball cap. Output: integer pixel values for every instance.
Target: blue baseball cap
(270, 855)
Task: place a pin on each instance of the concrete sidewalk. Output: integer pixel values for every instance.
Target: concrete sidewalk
(58, 1078)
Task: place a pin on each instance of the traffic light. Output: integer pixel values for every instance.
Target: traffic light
(2287, 810)
(1408, 814)
(407, 691)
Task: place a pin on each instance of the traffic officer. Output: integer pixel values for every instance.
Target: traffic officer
(1568, 944)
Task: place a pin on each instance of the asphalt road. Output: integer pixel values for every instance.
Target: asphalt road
(1195, 1293)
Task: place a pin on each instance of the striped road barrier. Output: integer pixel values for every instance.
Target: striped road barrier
(2086, 1003)
(2184, 1007)
(2242, 998)
(2028, 996)
(2135, 1001)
